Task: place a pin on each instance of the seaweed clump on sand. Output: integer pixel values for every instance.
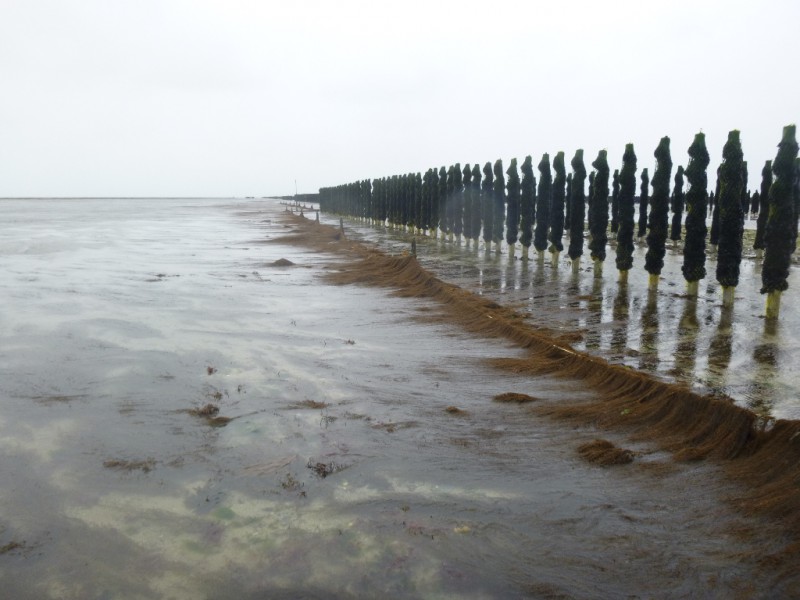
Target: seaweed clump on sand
(209, 410)
(604, 453)
(323, 470)
(514, 398)
(145, 466)
(210, 413)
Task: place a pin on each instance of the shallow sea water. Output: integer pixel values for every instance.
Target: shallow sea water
(118, 316)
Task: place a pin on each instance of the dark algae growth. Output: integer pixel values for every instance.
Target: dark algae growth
(577, 208)
(557, 206)
(615, 202)
(659, 213)
(627, 209)
(677, 207)
(499, 202)
(779, 237)
(599, 208)
(512, 205)
(731, 218)
(543, 203)
(487, 204)
(644, 202)
(763, 205)
(694, 248)
(527, 201)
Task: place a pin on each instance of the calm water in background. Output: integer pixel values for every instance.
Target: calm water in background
(118, 316)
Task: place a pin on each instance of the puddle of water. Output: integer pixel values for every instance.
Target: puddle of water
(118, 317)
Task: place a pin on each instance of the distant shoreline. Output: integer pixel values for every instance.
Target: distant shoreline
(138, 197)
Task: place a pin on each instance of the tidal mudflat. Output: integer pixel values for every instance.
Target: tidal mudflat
(190, 409)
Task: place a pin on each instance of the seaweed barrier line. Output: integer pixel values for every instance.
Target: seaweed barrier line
(763, 455)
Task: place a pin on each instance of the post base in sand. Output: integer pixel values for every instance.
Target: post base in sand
(773, 305)
(727, 295)
(623, 277)
(692, 288)
(652, 282)
(598, 269)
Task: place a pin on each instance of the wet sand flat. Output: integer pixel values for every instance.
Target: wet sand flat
(341, 472)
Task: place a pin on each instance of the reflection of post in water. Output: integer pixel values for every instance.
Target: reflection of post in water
(619, 335)
(761, 388)
(648, 358)
(686, 349)
(721, 348)
(595, 316)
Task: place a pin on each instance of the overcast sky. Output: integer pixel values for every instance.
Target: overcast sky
(243, 97)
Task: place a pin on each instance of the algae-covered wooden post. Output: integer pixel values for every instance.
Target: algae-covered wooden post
(568, 206)
(543, 202)
(434, 222)
(458, 203)
(419, 201)
(443, 201)
(467, 202)
(796, 202)
(710, 203)
(512, 207)
(731, 222)
(677, 207)
(598, 207)
(779, 237)
(499, 203)
(713, 236)
(615, 203)
(425, 203)
(644, 201)
(589, 199)
(755, 203)
(557, 208)
(477, 216)
(627, 209)
(577, 210)
(658, 221)
(694, 248)
(487, 205)
(450, 203)
(745, 197)
(526, 206)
